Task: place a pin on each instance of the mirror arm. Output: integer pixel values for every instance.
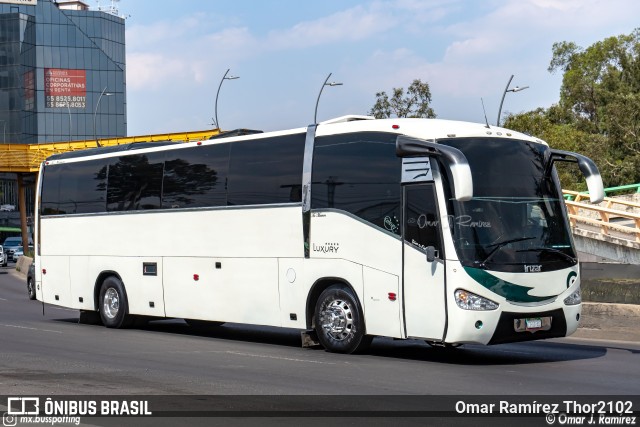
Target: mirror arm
(453, 158)
(587, 167)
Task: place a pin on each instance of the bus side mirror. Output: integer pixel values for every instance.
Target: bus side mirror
(588, 169)
(453, 159)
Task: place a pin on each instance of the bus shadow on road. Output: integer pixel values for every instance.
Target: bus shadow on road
(531, 352)
(503, 354)
(226, 331)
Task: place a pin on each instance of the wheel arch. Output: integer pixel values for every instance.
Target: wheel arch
(318, 287)
(98, 284)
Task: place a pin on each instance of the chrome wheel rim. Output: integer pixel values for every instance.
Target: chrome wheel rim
(337, 320)
(30, 287)
(111, 303)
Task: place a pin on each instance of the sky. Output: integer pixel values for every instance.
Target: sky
(283, 50)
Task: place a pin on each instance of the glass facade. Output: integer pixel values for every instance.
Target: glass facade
(54, 65)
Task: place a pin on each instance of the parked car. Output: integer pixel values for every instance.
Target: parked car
(3, 260)
(11, 244)
(17, 253)
(31, 281)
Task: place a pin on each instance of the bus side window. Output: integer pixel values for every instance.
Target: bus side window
(195, 177)
(135, 182)
(266, 171)
(51, 190)
(76, 188)
(359, 173)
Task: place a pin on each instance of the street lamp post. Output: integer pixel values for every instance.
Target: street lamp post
(506, 89)
(315, 115)
(218, 93)
(95, 113)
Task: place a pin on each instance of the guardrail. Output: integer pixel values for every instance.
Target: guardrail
(623, 188)
(569, 195)
(600, 216)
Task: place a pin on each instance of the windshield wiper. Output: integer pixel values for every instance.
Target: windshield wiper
(501, 245)
(552, 250)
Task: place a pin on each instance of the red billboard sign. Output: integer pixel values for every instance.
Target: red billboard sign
(65, 88)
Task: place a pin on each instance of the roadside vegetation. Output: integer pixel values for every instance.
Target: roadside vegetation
(598, 112)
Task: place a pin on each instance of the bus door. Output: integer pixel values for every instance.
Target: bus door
(422, 256)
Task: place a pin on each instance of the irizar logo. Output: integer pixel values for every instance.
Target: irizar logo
(532, 268)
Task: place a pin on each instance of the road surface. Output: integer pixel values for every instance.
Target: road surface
(52, 354)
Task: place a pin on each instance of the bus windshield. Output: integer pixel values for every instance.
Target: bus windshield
(515, 221)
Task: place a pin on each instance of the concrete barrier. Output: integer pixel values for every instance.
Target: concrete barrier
(22, 265)
(610, 283)
(618, 322)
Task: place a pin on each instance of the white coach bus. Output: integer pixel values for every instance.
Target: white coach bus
(446, 231)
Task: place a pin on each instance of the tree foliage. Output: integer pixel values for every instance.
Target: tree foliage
(599, 109)
(415, 103)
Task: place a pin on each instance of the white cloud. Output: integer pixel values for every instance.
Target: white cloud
(353, 24)
(151, 71)
(183, 47)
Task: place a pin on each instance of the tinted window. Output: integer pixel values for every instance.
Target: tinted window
(358, 173)
(422, 227)
(135, 182)
(73, 188)
(267, 170)
(196, 177)
(50, 190)
(516, 215)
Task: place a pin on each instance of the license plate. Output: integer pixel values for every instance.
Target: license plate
(535, 323)
(532, 324)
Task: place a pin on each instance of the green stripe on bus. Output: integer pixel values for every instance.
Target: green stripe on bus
(510, 291)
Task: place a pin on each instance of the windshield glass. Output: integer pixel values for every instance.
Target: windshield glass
(515, 221)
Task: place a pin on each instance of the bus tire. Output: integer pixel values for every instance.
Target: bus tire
(31, 288)
(338, 321)
(114, 309)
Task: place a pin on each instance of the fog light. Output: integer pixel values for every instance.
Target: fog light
(479, 324)
(577, 317)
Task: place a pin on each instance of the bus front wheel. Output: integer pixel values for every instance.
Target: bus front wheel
(338, 321)
(114, 309)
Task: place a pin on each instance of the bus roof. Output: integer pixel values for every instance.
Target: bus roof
(429, 129)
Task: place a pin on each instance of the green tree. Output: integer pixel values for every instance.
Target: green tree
(415, 103)
(599, 109)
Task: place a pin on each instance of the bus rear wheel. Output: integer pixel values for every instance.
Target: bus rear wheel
(31, 288)
(113, 305)
(338, 321)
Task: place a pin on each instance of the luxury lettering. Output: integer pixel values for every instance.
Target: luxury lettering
(327, 248)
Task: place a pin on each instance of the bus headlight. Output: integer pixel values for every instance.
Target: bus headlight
(575, 298)
(470, 301)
